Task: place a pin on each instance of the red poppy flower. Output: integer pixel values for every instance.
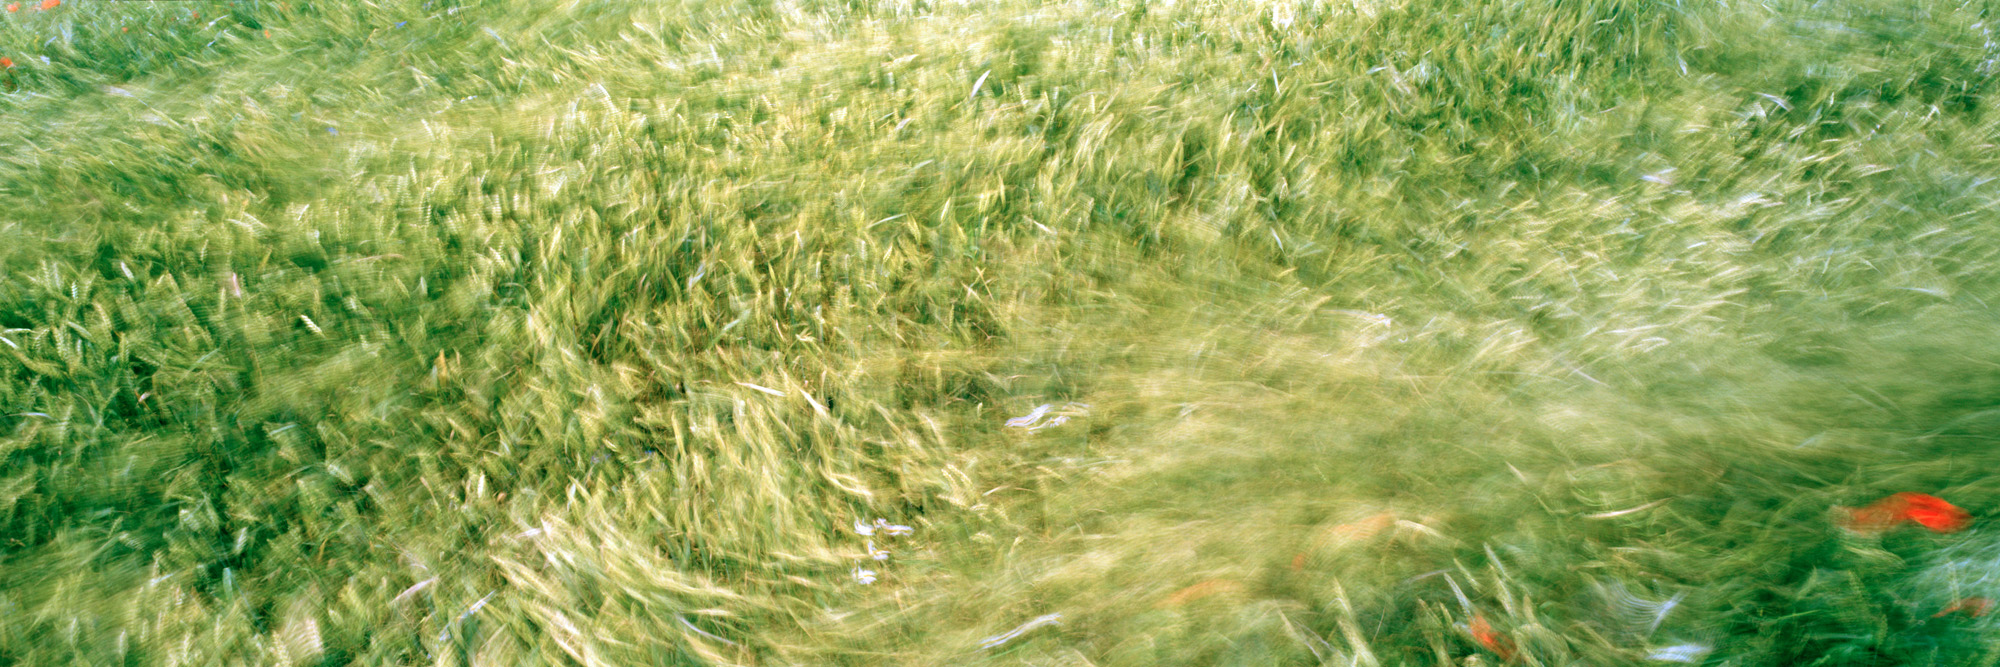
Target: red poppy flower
(1930, 511)
(1973, 607)
(1499, 644)
(1874, 518)
(7, 63)
(1934, 513)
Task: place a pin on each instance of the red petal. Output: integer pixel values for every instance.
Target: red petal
(1930, 511)
(1933, 512)
(1498, 643)
(1873, 519)
(1973, 607)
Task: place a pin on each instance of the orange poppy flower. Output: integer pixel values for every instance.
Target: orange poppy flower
(7, 63)
(1973, 607)
(50, 4)
(13, 7)
(1927, 510)
(1499, 644)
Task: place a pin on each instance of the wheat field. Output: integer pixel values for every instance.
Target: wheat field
(1010, 332)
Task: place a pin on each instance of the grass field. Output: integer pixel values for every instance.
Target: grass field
(1398, 332)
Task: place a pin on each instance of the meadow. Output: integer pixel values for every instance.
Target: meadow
(1012, 332)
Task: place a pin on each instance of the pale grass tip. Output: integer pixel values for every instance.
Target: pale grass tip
(996, 640)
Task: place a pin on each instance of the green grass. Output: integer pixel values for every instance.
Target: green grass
(583, 332)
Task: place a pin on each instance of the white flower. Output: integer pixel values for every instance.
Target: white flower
(881, 525)
(877, 554)
(1681, 653)
(1281, 16)
(1033, 420)
(1029, 419)
(865, 576)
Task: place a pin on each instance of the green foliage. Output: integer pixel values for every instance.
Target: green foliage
(585, 332)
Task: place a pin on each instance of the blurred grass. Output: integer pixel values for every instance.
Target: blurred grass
(584, 332)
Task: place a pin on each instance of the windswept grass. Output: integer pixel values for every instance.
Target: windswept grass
(586, 332)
